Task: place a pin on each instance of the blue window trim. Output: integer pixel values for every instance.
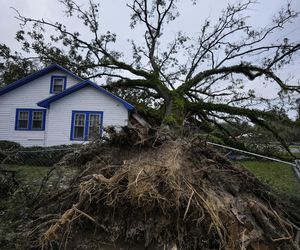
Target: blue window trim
(53, 77)
(30, 119)
(86, 123)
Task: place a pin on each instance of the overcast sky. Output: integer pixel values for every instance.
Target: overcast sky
(115, 17)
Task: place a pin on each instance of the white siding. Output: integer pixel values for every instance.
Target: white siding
(26, 96)
(87, 99)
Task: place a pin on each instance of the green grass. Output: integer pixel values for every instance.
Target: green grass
(30, 179)
(29, 174)
(19, 202)
(34, 175)
(280, 177)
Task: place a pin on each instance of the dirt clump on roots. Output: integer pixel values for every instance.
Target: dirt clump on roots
(178, 195)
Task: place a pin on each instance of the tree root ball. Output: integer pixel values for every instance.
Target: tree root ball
(178, 195)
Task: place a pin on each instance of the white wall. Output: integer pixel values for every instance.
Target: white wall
(26, 96)
(87, 99)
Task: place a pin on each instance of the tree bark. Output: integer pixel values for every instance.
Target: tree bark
(175, 110)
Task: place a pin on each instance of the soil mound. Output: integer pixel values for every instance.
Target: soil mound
(178, 195)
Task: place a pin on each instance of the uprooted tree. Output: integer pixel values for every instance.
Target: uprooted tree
(178, 193)
(196, 79)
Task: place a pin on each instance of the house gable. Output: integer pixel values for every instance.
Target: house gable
(36, 75)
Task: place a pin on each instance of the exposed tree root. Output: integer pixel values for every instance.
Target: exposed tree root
(180, 195)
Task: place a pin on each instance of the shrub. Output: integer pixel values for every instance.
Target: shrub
(9, 145)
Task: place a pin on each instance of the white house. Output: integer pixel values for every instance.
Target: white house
(53, 106)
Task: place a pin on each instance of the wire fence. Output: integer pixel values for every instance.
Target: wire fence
(31, 170)
(249, 154)
(19, 166)
(34, 157)
(282, 177)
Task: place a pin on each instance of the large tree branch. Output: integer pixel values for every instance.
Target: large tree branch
(250, 71)
(128, 83)
(162, 91)
(223, 108)
(275, 133)
(256, 116)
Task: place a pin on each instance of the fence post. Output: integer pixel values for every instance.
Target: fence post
(297, 169)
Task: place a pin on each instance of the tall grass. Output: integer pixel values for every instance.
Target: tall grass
(280, 177)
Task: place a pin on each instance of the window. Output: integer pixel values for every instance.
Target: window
(94, 126)
(23, 119)
(30, 119)
(86, 125)
(58, 84)
(79, 126)
(37, 119)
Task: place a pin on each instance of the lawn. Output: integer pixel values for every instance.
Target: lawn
(14, 206)
(32, 175)
(29, 174)
(280, 177)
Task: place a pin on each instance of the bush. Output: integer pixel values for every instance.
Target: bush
(9, 145)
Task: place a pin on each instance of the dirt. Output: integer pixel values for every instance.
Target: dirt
(175, 195)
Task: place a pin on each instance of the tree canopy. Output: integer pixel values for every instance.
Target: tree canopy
(199, 79)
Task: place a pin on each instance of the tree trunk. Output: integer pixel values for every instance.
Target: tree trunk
(175, 111)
